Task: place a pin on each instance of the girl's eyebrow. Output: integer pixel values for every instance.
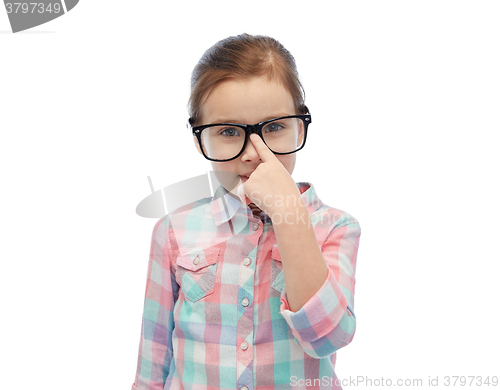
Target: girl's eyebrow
(224, 120)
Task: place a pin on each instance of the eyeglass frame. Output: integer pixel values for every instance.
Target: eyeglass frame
(249, 129)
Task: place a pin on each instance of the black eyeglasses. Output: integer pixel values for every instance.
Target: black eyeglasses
(227, 141)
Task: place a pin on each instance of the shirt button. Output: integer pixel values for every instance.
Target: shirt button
(244, 345)
(243, 388)
(245, 302)
(255, 226)
(196, 260)
(247, 261)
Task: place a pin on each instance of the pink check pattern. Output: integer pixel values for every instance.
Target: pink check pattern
(216, 314)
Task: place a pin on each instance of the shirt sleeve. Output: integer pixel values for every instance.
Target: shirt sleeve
(155, 347)
(327, 322)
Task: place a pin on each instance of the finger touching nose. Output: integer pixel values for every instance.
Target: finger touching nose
(250, 153)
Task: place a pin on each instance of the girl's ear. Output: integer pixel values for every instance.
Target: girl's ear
(195, 140)
(301, 134)
(197, 144)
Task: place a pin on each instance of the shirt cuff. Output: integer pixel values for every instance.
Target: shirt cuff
(320, 315)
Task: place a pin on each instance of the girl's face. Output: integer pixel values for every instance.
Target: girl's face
(248, 102)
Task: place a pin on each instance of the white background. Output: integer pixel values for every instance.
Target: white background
(405, 99)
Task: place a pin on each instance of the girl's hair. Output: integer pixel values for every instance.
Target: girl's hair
(244, 56)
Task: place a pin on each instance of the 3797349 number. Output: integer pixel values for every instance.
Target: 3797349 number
(33, 7)
(470, 380)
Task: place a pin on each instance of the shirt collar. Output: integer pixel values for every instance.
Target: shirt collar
(224, 206)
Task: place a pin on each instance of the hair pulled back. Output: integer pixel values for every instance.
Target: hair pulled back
(240, 57)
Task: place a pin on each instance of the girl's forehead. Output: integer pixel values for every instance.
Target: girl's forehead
(247, 101)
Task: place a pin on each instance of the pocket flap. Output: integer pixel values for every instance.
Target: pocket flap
(196, 260)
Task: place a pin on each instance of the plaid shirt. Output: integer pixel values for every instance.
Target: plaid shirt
(216, 314)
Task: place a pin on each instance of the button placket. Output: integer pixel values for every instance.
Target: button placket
(244, 352)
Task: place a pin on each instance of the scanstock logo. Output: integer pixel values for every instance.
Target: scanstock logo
(167, 199)
(170, 198)
(25, 15)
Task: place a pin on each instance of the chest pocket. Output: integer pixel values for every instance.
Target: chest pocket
(277, 275)
(196, 273)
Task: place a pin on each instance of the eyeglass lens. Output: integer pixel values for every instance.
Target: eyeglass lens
(226, 141)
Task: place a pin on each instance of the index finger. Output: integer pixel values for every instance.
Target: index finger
(261, 148)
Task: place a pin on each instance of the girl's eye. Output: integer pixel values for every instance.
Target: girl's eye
(230, 132)
(273, 127)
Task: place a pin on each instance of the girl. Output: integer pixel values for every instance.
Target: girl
(252, 288)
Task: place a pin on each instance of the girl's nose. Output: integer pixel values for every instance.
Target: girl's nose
(250, 153)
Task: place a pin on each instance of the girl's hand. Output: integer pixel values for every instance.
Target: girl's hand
(270, 186)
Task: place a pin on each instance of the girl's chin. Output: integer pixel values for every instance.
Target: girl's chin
(229, 180)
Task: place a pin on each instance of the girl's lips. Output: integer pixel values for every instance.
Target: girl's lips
(243, 178)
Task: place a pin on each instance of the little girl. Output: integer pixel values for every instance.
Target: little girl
(254, 287)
